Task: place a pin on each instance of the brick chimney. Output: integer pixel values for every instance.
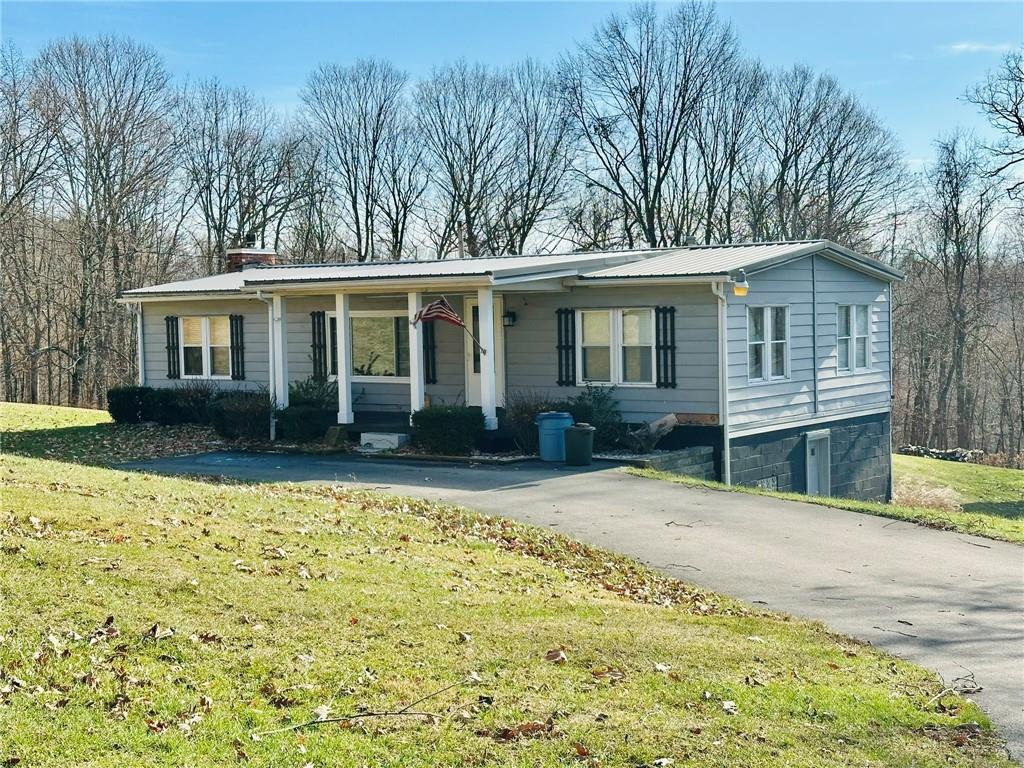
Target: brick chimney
(239, 258)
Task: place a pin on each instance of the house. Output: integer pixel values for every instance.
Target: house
(775, 354)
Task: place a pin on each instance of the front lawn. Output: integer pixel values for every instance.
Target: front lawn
(969, 498)
(88, 436)
(166, 622)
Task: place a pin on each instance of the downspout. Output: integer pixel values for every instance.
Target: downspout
(892, 480)
(814, 331)
(272, 354)
(723, 378)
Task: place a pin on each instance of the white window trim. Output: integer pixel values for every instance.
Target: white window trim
(869, 344)
(206, 347)
(331, 351)
(768, 378)
(615, 348)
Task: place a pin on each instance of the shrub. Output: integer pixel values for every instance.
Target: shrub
(161, 406)
(521, 409)
(318, 392)
(125, 404)
(193, 401)
(242, 415)
(449, 430)
(185, 404)
(305, 423)
(597, 407)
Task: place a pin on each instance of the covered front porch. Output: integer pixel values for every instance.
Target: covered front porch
(385, 364)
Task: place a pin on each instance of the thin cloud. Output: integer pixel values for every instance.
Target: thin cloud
(973, 46)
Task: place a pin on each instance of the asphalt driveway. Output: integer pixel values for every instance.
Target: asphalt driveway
(950, 602)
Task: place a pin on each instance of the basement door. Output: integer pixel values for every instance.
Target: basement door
(819, 476)
(471, 316)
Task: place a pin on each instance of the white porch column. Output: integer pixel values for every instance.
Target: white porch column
(343, 354)
(488, 364)
(279, 332)
(417, 397)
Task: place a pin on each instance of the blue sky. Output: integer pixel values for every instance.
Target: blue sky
(909, 61)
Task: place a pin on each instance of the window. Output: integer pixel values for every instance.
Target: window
(767, 343)
(853, 337)
(637, 344)
(206, 347)
(616, 346)
(596, 347)
(380, 344)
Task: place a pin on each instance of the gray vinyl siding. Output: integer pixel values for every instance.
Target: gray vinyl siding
(532, 364)
(839, 285)
(367, 396)
(254, 330)
(802, 285)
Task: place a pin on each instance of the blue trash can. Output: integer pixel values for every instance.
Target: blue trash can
(551, 428)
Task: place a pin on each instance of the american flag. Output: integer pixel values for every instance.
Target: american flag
(439, 310)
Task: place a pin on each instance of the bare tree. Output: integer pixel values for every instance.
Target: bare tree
(632, 93)
(27, 128)
(953, 244)
(1001, 100)
(238, 161)
(355, 112)
(115, 153)
(463, 115)
(538, 138)
(403, 180)
(725, 137)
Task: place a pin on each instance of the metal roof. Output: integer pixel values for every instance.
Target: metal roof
(229, 282)
(722, 260)
(694, 261)
(497, 267)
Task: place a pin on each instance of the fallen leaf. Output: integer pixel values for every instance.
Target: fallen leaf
(155, 725)
(156, 632)
(612, 674)
(556, 656)
(730, 708)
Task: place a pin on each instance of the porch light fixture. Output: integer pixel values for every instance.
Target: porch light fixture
(508, 319)
(740, 286)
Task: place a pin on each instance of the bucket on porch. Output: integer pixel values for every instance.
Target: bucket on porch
(551, 427)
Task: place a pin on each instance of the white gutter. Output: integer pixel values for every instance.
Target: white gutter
(718, 288)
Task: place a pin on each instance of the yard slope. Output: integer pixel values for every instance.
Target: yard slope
(161, 621)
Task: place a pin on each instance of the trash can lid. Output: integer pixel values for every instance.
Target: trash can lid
(550, 415)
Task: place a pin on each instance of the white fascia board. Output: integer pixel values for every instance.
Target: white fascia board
(534, 277)
(371, 285)
(806, 421)
(151, 297)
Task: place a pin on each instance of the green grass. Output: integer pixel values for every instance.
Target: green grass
(978, 488)
(287, 601)
(976, 499)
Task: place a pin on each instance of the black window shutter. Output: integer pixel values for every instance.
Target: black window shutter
(237, 349)
(665, 346)
(173, 350)
(319, 345)
(333, 341)
(429, 353)
(566, 321)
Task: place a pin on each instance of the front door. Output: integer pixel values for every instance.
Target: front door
(471, 315)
